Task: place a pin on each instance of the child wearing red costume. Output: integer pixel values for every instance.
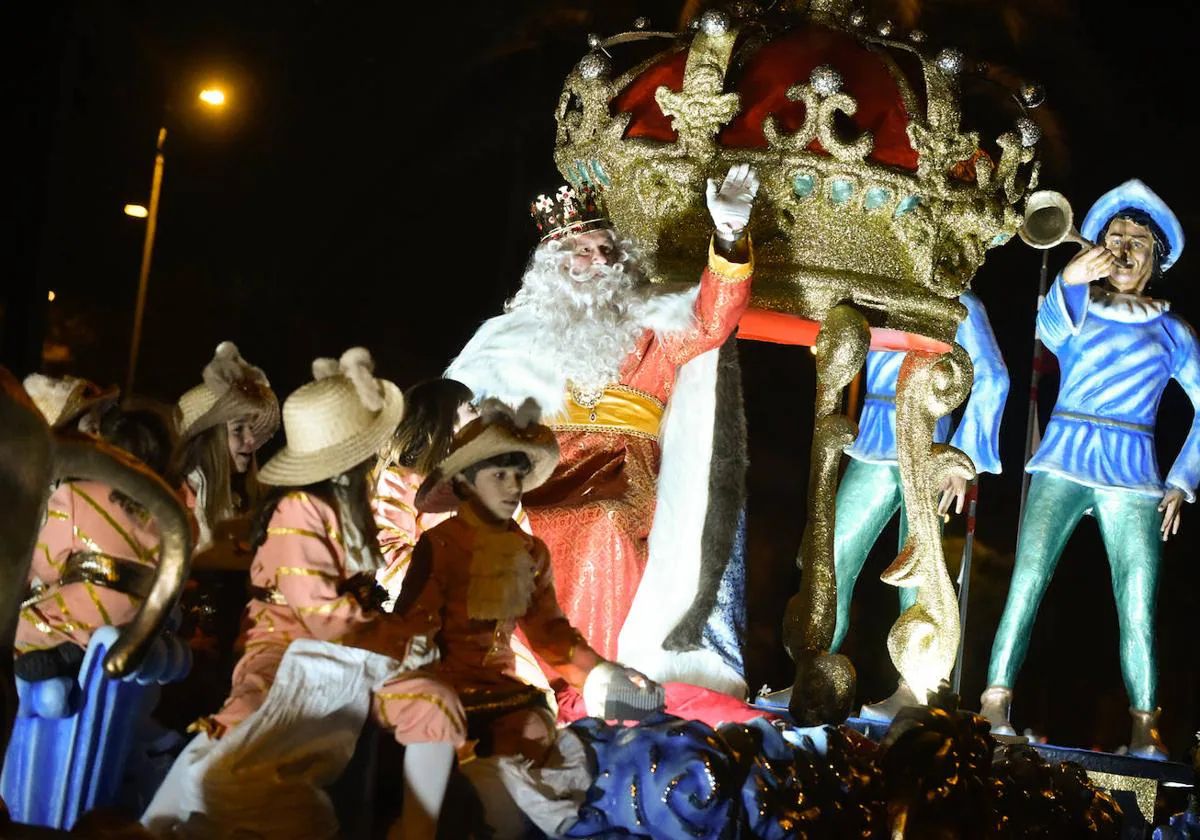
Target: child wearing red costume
(477, 576)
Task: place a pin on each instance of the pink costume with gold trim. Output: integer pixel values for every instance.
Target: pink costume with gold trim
(399, 523)
(597, 510)
(81, 518)
(297, 571)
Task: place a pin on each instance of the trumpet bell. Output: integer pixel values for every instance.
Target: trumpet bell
(1048, 220)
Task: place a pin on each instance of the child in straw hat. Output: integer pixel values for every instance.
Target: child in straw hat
(477, 576)
(313, 584)
(221, 423)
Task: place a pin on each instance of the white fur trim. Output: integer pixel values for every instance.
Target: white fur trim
(503, 359)
(672, 576)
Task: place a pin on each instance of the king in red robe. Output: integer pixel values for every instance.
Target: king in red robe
(626, 373)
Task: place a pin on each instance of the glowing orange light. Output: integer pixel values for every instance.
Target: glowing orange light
(213, 96)
(50, 295)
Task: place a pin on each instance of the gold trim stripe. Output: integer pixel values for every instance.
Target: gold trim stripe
(58, 514)
(400, 564)
(323, 609)
(295, 532)
(384, 696)
(139, 551)
(95, 596)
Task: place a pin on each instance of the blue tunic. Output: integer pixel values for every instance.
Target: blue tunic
(979, 432)
(1116, 359)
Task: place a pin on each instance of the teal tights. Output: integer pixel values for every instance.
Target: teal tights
(868, 497)
(1129, 524)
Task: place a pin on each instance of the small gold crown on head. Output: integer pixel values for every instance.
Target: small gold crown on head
(568, 211)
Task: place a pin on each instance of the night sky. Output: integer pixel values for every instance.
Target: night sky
(367, 184)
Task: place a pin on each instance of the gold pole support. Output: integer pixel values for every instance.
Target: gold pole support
(823, 691)
(923, 643)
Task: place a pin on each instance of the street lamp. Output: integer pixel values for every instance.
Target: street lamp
(214, 98)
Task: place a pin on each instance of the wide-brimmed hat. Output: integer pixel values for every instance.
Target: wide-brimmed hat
(232, 388)
(339, 420)
(66, 399)
(1135, 195)
(497, 430)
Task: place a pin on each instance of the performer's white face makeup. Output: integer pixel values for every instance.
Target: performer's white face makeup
(242, 444)
(496, 490)
(592, 248)
(1134, 244)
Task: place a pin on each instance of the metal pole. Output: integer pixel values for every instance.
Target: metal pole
(964, 582)
(1031, 416)
(147, 252)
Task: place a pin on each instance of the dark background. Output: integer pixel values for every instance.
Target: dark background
(367, 185)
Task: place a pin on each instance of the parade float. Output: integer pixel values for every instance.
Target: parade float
(877, 208)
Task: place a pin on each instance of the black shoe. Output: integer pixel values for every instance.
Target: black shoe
(625, 700)
(64, 660)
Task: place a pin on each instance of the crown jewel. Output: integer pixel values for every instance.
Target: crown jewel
(570, 210)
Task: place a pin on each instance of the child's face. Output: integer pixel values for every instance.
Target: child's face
(498, 490)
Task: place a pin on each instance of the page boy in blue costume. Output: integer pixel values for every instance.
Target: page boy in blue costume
(869, 494)
(1117, 350)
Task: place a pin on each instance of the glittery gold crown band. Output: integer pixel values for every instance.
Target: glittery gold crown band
(568, 211)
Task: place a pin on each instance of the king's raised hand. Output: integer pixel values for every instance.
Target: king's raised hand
(729, 204)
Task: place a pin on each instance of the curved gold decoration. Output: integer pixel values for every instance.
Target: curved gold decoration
(824, 687)
(97, 462)
(923, 643)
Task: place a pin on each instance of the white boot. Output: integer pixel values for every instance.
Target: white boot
(886, 710)
(426, 775)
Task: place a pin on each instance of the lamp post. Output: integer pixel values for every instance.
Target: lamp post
(213, 98)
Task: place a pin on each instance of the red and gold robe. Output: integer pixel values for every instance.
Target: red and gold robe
(596, 512)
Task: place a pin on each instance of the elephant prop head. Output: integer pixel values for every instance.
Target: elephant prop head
(32, 458)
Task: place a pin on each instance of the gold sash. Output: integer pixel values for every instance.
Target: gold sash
(621, 410)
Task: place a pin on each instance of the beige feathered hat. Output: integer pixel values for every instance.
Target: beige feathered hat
(340, 419)
(232, 388)
(497, 430)
(65, 400)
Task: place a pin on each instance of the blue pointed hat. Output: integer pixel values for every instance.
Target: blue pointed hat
(1134, 194)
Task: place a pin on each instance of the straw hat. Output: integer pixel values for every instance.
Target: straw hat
(497, 430)
(232, 388)
(62, 401)
(342, 418)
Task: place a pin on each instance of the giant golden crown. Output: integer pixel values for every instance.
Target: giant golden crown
(872, 193)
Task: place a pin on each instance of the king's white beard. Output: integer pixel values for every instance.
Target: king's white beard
(591, 324)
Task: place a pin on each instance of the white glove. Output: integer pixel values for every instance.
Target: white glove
(421, 653)
(595, 688)
(729, 205)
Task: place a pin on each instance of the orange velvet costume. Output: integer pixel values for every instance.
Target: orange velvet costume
(297, 571)
(80, 517)
(596, 511)
(446, 578)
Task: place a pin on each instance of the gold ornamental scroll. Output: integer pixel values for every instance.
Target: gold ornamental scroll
(824, 687)
(923, 643)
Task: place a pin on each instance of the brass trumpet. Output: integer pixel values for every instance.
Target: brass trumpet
(1049, 222)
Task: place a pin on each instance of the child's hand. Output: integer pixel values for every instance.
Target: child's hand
(364, 589)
